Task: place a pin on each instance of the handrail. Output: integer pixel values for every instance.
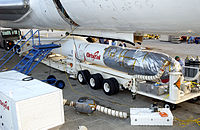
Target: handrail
(39, 60)
(18, 48)
(196, 76)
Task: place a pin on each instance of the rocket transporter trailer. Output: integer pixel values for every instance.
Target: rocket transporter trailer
(144, 72)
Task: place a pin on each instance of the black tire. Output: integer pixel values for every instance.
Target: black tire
(60, 84)
(51, 79)
(95, 81)
(109, 87)
(87, 75)
(83, 76)
(116, 85)
(133, 96)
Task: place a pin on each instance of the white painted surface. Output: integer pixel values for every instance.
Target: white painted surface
(165, 97)
(145, 116)
(94, 53)
(115, 15)
(90, 52)
(174, 91)
(32, 104)
(164, 38)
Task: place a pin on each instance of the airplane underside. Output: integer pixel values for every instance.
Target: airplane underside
(114, 18)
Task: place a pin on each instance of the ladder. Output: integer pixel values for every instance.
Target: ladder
(34, 56)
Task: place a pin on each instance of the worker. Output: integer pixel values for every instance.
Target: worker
(106, 42)
(197, 40)
(89, 39)
(177, 58)
(114, 43)
(101, 40)
(191, 40)
(123, 44)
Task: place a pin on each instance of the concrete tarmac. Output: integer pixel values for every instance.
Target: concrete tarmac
(122, 101)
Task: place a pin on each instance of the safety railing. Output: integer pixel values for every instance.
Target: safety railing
(23, 37)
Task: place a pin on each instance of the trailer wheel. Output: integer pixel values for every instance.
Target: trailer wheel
(170, 106)
(51, 79)
(83, 76)
(116, 85)
(95, 81)
(109, 87)
(133, 96)
(60, 84)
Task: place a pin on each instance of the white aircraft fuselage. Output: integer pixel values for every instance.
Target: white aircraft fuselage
(127, 16)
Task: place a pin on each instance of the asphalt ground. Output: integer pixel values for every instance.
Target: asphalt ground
(122, 101)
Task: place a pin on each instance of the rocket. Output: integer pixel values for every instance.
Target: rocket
(128, 60)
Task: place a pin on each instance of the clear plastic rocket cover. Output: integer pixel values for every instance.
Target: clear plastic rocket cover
(136, 61)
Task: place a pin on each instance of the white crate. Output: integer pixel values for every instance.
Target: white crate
(145, 116)
(29, 105)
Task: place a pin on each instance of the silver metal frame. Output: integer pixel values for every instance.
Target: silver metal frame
(13, 10)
